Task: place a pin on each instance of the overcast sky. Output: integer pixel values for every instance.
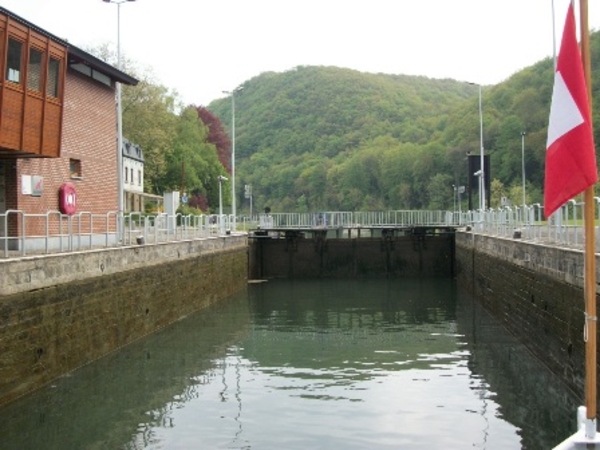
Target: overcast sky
(201, 48)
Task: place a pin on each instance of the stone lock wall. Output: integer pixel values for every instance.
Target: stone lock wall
(53, 329)
(536, 291)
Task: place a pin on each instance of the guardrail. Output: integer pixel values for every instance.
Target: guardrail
(348, 219)
(22, 233)
(565, 227)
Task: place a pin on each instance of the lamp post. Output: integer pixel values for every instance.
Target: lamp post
(482, 164)
(454, 192)
(221, 178)
(233, 209)
(481, 175)
(248, 195)
(119, 122)
(523, 164)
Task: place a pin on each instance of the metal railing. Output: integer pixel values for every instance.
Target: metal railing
(23, 233)
(564, 228)
(347, 219)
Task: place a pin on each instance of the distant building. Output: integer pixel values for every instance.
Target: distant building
(133, 177)
(58, 130)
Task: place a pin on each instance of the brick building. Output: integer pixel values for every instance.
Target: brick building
(58, 134)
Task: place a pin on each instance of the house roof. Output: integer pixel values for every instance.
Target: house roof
(132, 151)
(75, 54)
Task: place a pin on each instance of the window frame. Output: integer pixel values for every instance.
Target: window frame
(75, 169)
(40, 73)
(53, 80)
(11, 71)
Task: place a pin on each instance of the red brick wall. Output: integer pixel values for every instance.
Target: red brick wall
(90, 135)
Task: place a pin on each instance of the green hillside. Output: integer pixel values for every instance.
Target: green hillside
(326, 138)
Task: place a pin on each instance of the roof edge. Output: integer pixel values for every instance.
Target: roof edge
(75, 52)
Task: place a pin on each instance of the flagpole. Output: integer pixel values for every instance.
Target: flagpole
(590, 245)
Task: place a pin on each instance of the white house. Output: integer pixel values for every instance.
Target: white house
(133, 176)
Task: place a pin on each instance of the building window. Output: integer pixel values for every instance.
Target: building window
(132, 182)
(53, 73)
(126, 172)
(75, 168)
(139, 177)
(34, 70)
(13, 61)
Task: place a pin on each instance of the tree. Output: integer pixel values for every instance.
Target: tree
(217, 136)
(498, 192)
(192, 165)
(440, 192)
(149, 120)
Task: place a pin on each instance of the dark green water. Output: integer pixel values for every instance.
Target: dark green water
(372, 364)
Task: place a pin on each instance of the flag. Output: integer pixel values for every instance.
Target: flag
(570, 152)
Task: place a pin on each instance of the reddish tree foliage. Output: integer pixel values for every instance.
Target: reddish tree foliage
(198, 201)
(217, 136)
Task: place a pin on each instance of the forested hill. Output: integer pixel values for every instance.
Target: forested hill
(327, 138)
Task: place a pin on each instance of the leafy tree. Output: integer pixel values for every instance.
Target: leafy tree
(217, 136)
(498, 192)
(440, 192)
(192, 165)
(150, 121)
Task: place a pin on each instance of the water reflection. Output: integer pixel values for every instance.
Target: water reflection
(101, 405)
(308, 364)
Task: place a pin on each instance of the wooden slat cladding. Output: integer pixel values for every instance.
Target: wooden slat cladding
(31, 91)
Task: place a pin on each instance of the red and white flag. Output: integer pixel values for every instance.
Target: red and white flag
(570, 152)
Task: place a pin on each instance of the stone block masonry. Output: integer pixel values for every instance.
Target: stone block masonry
(535, 291)
(100, 301)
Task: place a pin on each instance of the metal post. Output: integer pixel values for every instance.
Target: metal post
(221, 178)
(233, 208)
(120, 189)
(482, 177)
(454, 191)
(523, 165)
(233, 202)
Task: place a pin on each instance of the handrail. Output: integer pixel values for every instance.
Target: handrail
(22, 233)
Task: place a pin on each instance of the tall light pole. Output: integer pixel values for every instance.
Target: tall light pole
(482, 163)
(481, 174)
(454, 192)
(233, 209)
(221, 178)
(523, 164)
(119, 121)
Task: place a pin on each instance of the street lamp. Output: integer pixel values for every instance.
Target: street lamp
(119, 120)
(482, 174)
(248, 194)
(523, 163)
(233, 209)
(482, 164)
(221, 178)
(454, 192)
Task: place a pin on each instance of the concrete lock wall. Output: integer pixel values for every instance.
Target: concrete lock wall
(298, 257)
(102, 300)
(536, 291)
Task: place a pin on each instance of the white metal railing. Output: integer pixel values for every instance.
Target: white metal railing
(526, 222)
(24, 233)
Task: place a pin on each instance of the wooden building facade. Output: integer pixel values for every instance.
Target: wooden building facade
(58, 127)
